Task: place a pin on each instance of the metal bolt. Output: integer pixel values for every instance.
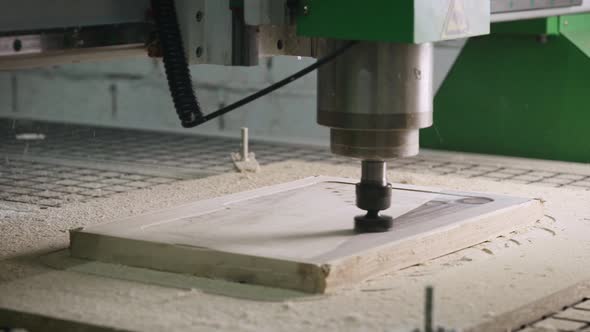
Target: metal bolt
(305, 10)
(76, 38)
(542, 38)
(17, 45)
(199, 16)
(154, 49)
(245, 143)
(199, 51)
(428, 308)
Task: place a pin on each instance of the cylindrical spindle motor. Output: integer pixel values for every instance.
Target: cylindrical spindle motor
(375, 98)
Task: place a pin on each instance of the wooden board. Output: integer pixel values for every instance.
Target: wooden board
(551, 305)
(299, 235)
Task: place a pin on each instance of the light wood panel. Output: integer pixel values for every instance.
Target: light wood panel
(300, 236)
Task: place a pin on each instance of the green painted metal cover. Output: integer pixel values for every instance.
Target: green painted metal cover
(513, 95)
(576, 28)
(410, 21)
(538, 26)
(579, 38)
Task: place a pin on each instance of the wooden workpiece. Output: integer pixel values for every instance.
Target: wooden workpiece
(478, 288)
(299, 235)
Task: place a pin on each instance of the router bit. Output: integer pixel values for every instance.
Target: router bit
(373, 194)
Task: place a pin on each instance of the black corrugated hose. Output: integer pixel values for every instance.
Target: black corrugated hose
(175, 63)
(179, 77)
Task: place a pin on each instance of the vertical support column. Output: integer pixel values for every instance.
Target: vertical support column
(214, 32)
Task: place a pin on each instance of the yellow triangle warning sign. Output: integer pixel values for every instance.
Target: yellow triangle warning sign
(456, 24)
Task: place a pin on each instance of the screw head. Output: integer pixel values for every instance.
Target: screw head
(199, 16)
(17, 45)
(305, 10)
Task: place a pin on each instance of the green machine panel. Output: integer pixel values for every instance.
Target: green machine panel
(515, 95)
(409, 21)
(576, 28)
(522, 91)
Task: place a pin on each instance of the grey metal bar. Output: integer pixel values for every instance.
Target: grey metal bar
(540, 13)
(35, 14)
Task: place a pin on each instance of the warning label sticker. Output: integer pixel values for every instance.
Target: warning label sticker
(456, 24)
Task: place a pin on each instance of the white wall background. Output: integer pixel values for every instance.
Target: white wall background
(133, 93)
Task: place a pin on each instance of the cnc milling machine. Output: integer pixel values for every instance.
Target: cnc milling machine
(375, 63)
(117, 213)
